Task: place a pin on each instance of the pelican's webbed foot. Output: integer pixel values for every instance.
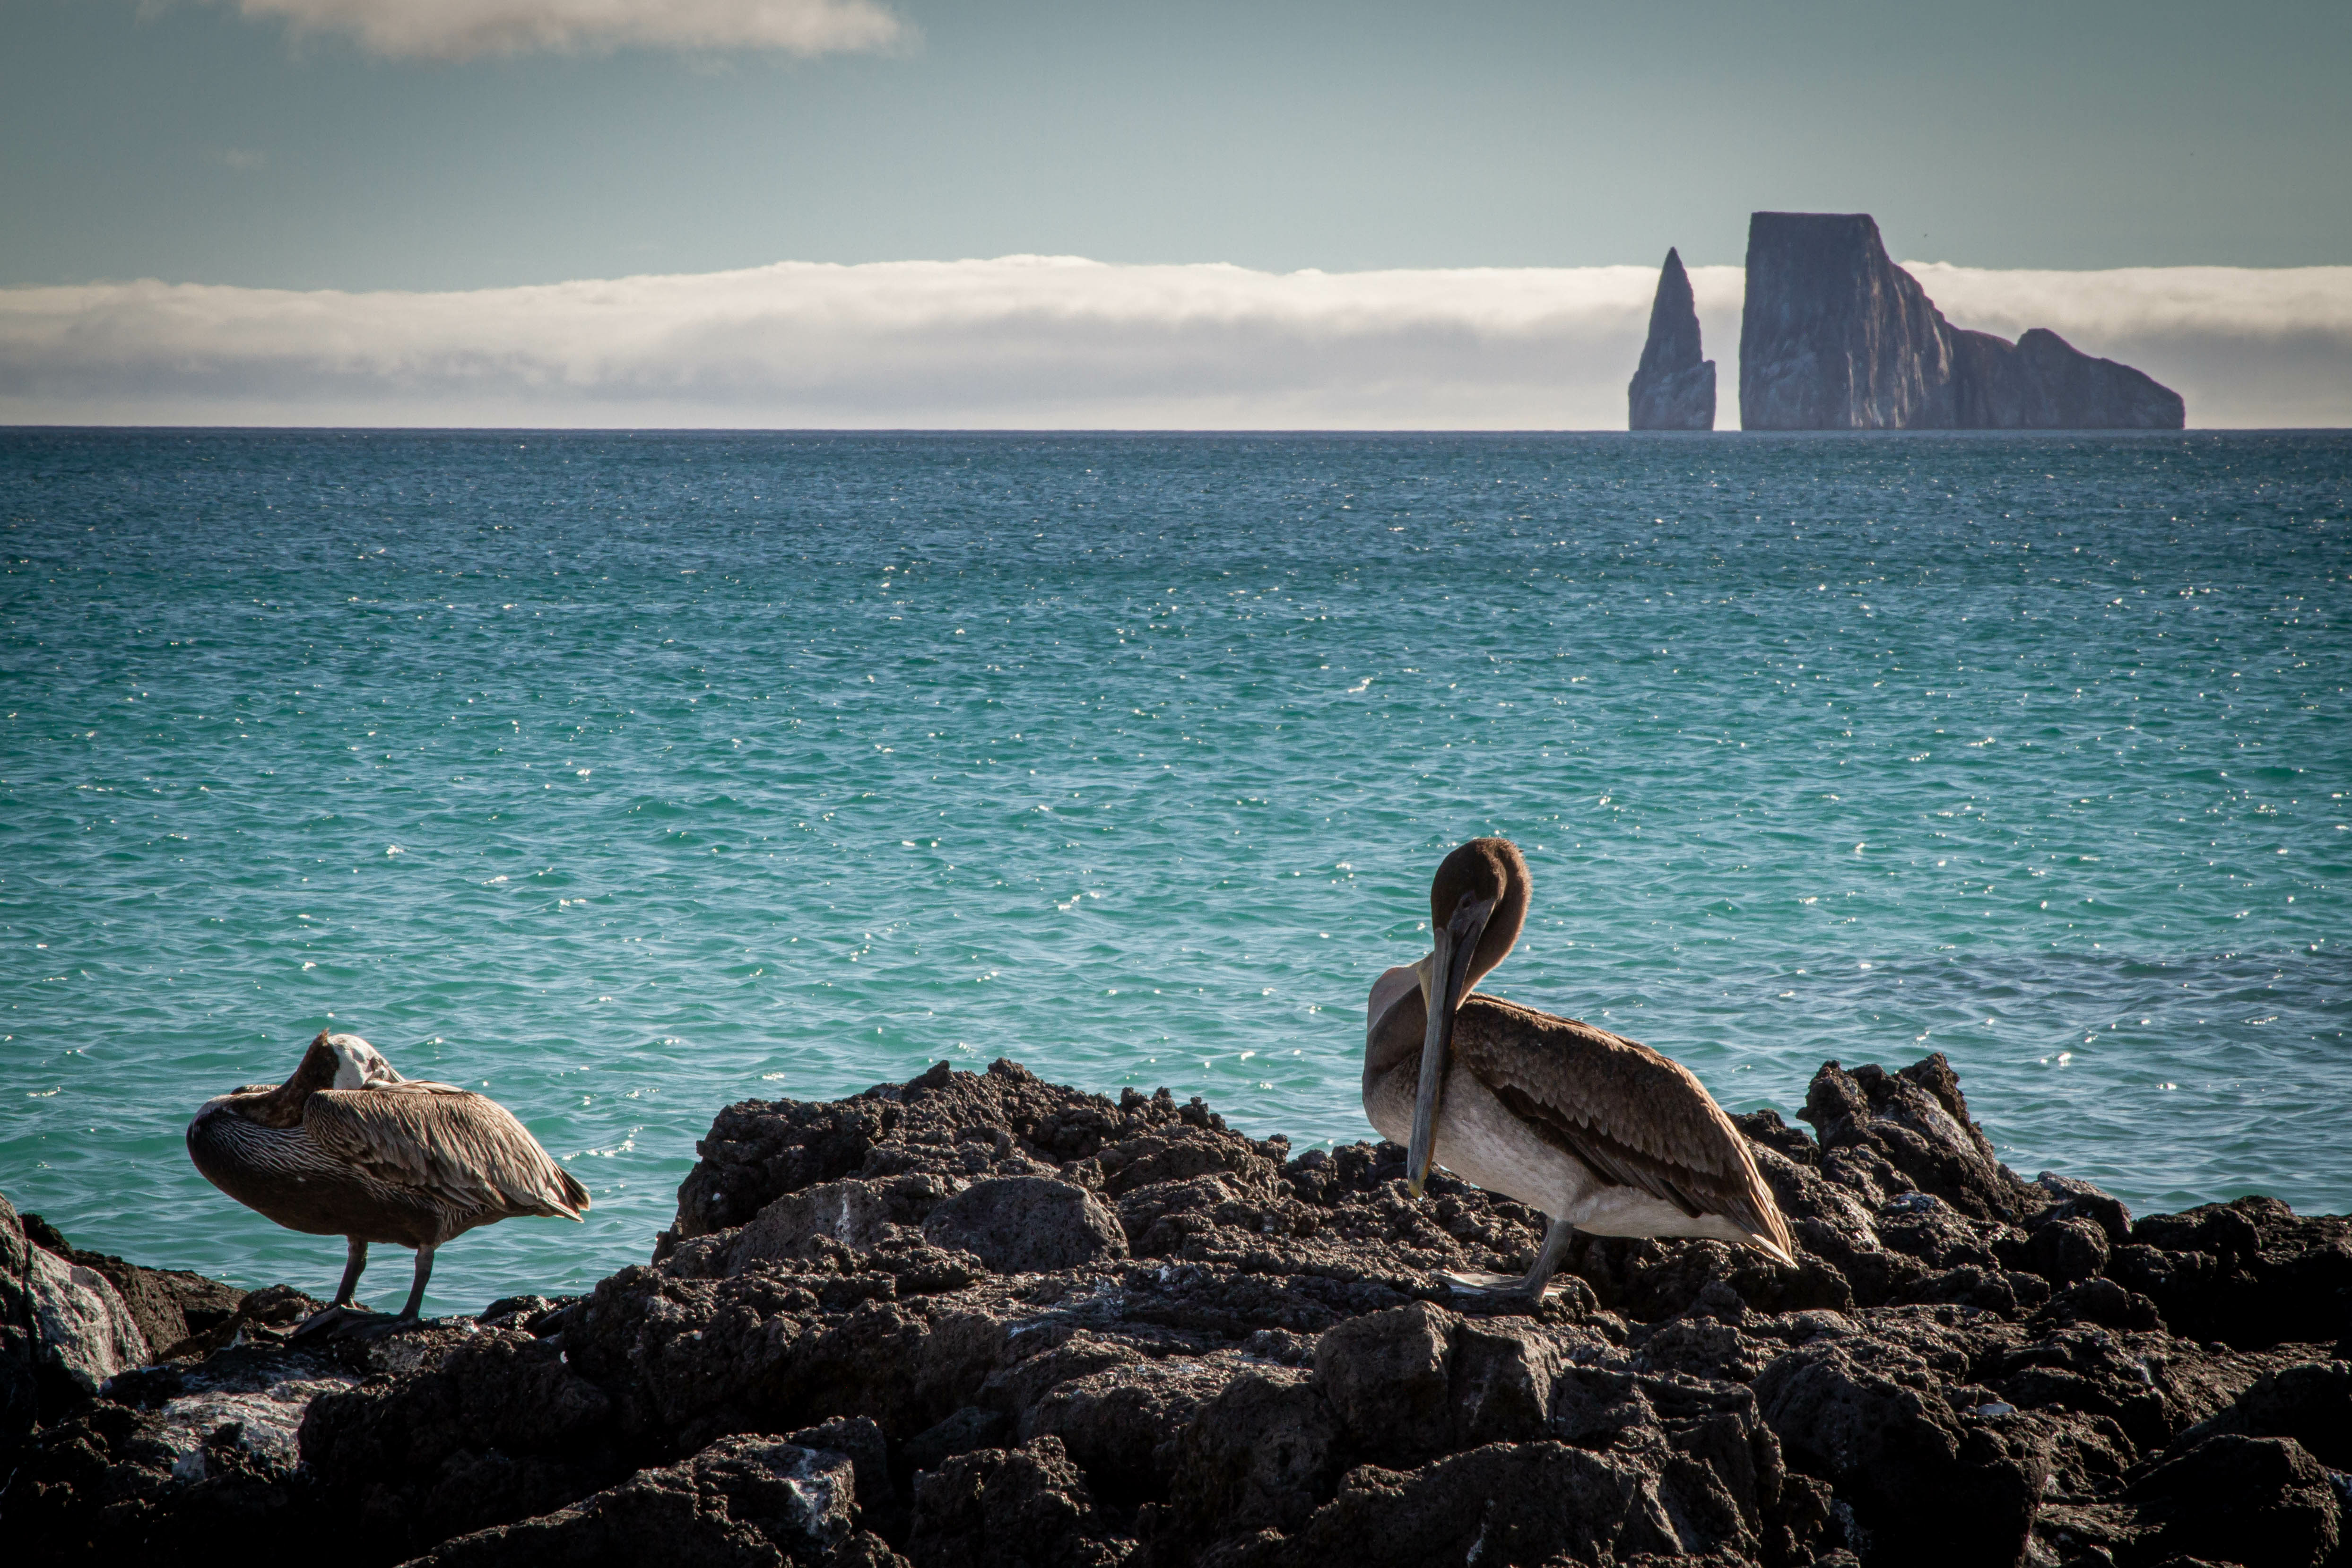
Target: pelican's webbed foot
(344, 1323)
(1500, 1287)
(1531, 1287)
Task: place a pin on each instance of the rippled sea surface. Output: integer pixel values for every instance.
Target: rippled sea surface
(625, 775)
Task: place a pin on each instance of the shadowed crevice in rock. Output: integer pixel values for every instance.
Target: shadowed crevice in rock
(977, 1318)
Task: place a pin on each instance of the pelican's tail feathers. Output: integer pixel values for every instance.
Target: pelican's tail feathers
(575, 1197)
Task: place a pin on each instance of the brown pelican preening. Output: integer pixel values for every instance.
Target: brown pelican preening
(1602, 1135)
(349, 1147)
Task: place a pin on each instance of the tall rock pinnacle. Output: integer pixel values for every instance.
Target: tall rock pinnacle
(1673, 388)
(1833, 335)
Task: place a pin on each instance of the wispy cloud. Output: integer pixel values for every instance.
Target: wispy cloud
(462, 29)
(1042, 341)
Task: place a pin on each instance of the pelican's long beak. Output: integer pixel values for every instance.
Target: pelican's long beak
(1444, 982)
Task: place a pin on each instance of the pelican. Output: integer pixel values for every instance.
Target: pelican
(348, 1148)
(1602, 1135)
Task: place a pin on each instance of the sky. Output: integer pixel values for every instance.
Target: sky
(450, 150)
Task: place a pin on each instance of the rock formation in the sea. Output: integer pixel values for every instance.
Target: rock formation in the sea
(2044, 382)
(1673, 388)
(980, 1320)
(1834, 336)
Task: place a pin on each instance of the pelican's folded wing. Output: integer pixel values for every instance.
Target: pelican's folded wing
(460, 1145)
(1637, 1118)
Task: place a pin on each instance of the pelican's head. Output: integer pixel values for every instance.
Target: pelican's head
(1477, 902)
(344, 1062)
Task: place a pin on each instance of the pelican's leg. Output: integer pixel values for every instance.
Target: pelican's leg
(1535, 1283)
(343, 1321)
(1548, 1257)
(335, 1320)
(358, 1260)
(423, 1272)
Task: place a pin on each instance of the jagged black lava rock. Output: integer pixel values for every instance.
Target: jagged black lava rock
(977, 1319)
(742, 1502)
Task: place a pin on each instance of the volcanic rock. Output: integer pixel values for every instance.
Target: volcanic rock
(2250, 1272)
(1523, 1502)
(1834, 336)
(1925, 1483)
(169, 1305)
(2262, 1502)
(1023, 1224)
(64, 1328)
(169, 1456)
(2311, 1403)
(742, 1502)
(1019, 1507)
(977, 1319)
(2044, 382)
(1673, 387)
(19, 1395)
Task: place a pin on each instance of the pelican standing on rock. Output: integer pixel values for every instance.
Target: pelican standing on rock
(1602, 1135)
(348, 1148)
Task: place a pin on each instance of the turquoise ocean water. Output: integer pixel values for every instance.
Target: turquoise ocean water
(625, 776)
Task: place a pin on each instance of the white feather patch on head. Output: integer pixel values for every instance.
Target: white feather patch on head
(358, 1063)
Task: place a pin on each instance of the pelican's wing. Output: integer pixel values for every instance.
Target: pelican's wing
(1638, 1119)
(461, 1145)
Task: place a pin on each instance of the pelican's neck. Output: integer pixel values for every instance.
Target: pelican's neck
(1426, 971)
(1391, 988)
(282, 1106)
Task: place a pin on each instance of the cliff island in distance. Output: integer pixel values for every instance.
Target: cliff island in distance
(1834, 336)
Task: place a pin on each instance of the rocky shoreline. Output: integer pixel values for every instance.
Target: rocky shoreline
(978, 1319)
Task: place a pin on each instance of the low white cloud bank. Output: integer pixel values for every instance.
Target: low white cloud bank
(462, 29)
(1058, 342)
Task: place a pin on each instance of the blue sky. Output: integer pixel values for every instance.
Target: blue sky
(188, 141)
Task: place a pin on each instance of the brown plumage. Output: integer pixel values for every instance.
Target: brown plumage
(1601, 1132)
(348, 1148)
